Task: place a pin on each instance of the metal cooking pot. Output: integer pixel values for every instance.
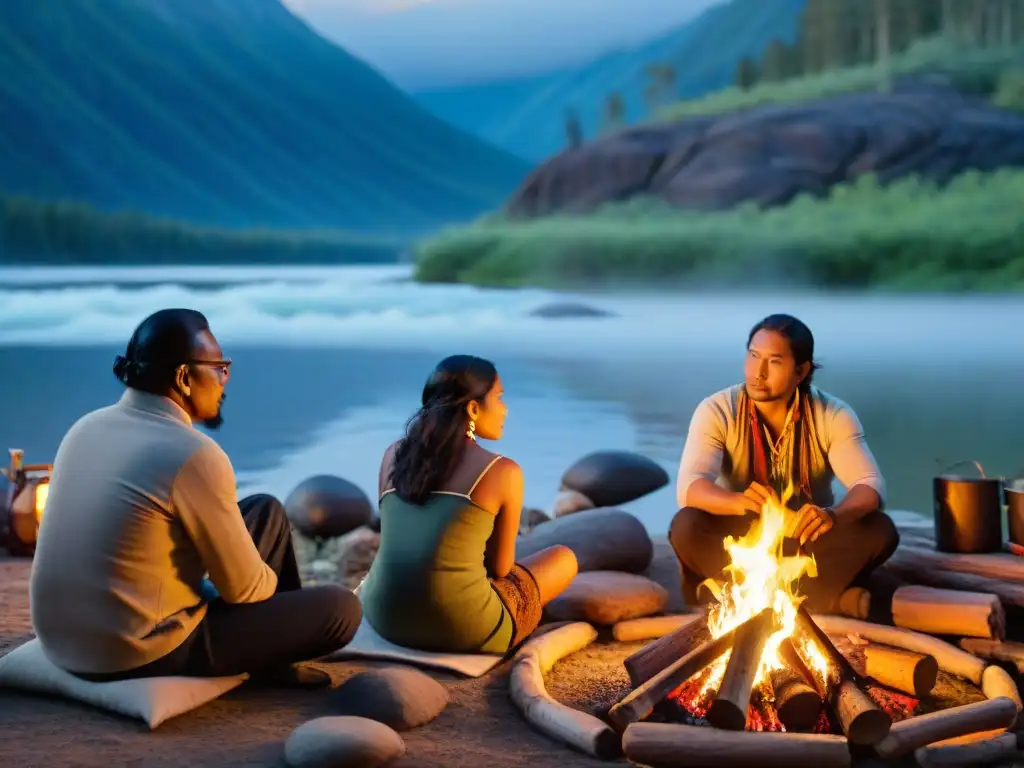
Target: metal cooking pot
(968, 512)
(1014, 493)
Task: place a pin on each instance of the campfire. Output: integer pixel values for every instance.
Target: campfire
(755, 660)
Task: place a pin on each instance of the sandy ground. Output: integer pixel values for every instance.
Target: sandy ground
(480, 727)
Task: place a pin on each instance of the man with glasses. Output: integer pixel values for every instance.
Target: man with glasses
(142, 507)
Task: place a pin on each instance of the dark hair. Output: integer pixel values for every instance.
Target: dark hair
(161, 343)
(800, 338)
(435, 437)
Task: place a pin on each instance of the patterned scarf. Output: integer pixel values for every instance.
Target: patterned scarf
(789, 459)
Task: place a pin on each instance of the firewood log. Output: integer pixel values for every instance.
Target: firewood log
(565, 724)
(996, 682)
(797, 704)
(915, 570)
(947, 612)
(913, 733)
(991, 750)
(951, 659)
(905, 671)
(996, 650)
(642, 700)
(652, 627)
(729, 709)
(654, 657)
(683, 746)
(999, 565)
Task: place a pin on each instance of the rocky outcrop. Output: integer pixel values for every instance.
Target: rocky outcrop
(769, 155)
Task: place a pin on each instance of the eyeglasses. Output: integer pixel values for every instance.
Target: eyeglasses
(220, 366)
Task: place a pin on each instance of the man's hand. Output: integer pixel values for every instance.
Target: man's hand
(752, 499)
(810, 523)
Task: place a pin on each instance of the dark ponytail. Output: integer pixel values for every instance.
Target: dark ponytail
(801, 342)
(435, 437)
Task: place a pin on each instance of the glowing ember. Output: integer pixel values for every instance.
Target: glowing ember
(762, 577)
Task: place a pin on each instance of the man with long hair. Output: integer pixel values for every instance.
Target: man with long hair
(142, 507)
(774, 432)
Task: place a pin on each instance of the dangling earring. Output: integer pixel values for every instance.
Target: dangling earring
(471, 432)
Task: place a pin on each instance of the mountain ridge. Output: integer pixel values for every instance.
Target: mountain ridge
(225, 114)
(532, 124)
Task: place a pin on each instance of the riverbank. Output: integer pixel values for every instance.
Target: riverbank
(248, 727)
(908, 236)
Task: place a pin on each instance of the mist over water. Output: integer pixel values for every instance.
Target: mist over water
(329, 363)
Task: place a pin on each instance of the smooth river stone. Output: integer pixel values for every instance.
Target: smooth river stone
(400, 697)
(608, 597)
(342, 742)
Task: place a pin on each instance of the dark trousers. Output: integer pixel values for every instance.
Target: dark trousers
(294, 624)
(845, 556)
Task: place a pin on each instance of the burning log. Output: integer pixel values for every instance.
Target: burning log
(729, 709)
(905, 671)
(913, 733)
(651, 627)
(997, 749)
(526, 687)
(947, 612)
(797, 702)
(951, 659)
(861, 719)
(672, 746)
(642, 700)
(652, 658)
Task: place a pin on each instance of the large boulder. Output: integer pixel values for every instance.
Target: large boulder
(608, 597)
(325, 506)
(400, 697)
(611, 478)
(354, 742)
(769, 155)
(601, 539)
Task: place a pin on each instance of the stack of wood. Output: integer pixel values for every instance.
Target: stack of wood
(972, 734)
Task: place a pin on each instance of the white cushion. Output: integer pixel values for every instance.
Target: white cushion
(152, 700)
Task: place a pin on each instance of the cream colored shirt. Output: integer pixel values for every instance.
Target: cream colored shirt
(141, 506)
(715, 449)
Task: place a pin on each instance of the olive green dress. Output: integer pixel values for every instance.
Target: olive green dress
(428, 586)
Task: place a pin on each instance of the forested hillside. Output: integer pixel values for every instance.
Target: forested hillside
(227, 113)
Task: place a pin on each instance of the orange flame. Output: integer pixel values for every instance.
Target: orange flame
(762, 577)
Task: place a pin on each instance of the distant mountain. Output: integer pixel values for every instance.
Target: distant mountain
(224, 112)
(527, 116)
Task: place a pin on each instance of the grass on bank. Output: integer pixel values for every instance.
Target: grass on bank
(977, 71)
(40, 232)
(908, 235)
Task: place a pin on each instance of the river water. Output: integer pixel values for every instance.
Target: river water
(329, 363)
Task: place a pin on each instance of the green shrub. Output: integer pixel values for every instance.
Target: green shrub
(906, 235)
(1010, 91)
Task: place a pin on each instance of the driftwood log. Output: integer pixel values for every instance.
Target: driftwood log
(652, 627)
(995, 749)
(565, 724)
(913, 733)
(672, 746)
(951, 659)
(654, 657)
(641, 701)
(729, 709)
(862, 720)
(909, 566)
(906, 671)
(948, 612)
(995, 650)
(1000, 566)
